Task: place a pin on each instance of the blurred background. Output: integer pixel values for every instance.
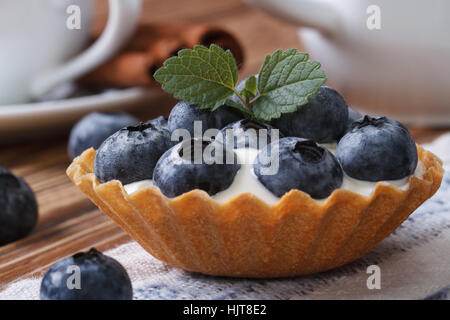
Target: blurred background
(257, 33)
(254, 32)
(377, 56)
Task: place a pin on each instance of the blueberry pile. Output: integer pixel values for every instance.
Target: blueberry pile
(368, 148)
(147, 151)
(86, 276)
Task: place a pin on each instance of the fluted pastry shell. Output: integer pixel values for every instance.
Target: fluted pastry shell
(246, 237)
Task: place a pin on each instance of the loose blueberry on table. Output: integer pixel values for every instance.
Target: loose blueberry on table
(86, 276)
(18, 207)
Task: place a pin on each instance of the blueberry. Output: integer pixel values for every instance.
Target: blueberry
(247, 133)
(180, 169)
(239, 88)
(18, 207)
(322, 119)
(94, 128)
(376, 149)
(159, 122)
(303, 165)
(353, 115)
(100, 278)
(130, 154)
(183, 116)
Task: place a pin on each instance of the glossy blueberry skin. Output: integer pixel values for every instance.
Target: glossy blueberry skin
(322, 119)
(303, 165)
(101, 278)
(160, 122)
(130, 154)
(18, 208)
(94, 128)
(183, 116)
(377, 149)
(353, 115)
(246, 132)
(176, 173)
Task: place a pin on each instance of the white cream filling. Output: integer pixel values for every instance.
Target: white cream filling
(245, 181)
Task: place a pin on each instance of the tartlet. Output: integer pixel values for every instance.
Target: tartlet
(246, 237)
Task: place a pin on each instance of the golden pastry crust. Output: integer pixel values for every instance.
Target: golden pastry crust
(245, 237)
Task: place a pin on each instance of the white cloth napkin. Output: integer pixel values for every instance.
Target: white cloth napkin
(414, 263)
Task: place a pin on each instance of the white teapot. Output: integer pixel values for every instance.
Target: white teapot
(386, 57)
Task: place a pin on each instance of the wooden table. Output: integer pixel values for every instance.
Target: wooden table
(68, 221)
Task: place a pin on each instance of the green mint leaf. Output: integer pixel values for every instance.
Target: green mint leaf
(240, 107)
(286, 80)
(249, 90)
(202, 76)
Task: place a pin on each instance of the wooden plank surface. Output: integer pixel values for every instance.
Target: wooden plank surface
(68, 221)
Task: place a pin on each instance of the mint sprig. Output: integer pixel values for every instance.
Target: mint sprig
(207, 77)
(240, 107)
(285, 81)
(249, 91)
(202, 76)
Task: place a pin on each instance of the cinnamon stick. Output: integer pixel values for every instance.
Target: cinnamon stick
(150, 46)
